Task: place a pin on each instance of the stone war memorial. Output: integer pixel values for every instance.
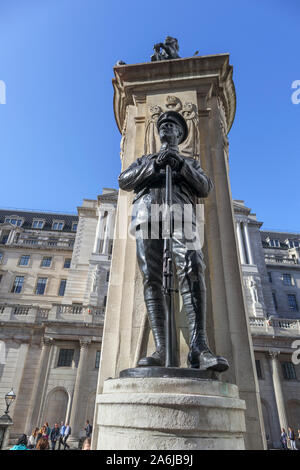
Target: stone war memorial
(177, 364)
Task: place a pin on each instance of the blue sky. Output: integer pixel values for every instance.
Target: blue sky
(59, 142)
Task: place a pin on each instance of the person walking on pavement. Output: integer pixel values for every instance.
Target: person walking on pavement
(54, 435)
(291, 436)
(61, 434)
(48, 428)
(67, 433)
(283, 439)
(88, 428)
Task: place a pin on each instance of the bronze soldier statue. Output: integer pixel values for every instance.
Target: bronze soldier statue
(146, 177)
(166, 51)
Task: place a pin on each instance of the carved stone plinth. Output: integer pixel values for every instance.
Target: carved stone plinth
(170, 414)
(201, 89)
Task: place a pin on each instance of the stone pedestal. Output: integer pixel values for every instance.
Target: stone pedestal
(170, 414)
(5, 424)
(202, 90)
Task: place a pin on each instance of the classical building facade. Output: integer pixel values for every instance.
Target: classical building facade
(54, 272)
(54, 276)
(270, 263)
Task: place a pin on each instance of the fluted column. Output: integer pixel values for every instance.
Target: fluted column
(11, 237)
(78, 399)
(240, 242)
(279, 397)
(248, 244)
(36, 397)
(99, 231)
(107, 234)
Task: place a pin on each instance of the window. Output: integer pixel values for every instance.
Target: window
(65, 358)
(1, 276)
(293, 243)
(1, 257)
(41, 285)
(107, 276)
(18, 284)
(258, 368)
(38, 223)
(62, 287)
(46, 261)
(275, 243)
(67, 263)
(289, 372)
(4, 238)
(270, 277)
(97, 361)
(14, 221)
(57, 225)
(292, 302)
(274, 300)
(74, 226)
(24, 260)
(279, 259)
(104, 301)
(287, 279)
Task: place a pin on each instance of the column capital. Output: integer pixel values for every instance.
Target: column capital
(273, 353)
(46, 341)
(84, 342)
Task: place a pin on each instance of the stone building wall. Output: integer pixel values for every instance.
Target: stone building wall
(28, 320)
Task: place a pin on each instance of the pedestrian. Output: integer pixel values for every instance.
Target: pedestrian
(299, 436)
(42, 433)
(47, 428)
(283, 439)
(86, 444)
(88, 428)
(43, 444)
(33, 438)
(21, 444)
(54, 435)
(291, 436)
(66, 435)
(61, 434)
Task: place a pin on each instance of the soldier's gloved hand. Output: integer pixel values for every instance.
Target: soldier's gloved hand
(167, 158)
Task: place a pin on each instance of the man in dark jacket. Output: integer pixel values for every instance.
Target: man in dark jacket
(146, 177)
(88, 429)
(54, 435)
(292, 440)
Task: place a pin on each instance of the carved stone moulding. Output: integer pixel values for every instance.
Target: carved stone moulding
(190, 73)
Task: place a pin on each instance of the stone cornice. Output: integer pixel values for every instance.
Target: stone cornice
(87, 212)
(193, 72)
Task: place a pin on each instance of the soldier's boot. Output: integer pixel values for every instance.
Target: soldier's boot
(200, 356)
(157, 323)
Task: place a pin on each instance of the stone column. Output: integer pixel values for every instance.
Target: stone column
(78, 402)
(108, 232)
(248, 245)
(11, 237)
(36, 397)
(279, 397)
(98, 232)
(240, 242)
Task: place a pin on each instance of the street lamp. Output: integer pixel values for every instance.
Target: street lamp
(9, 398)
(5, 420)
